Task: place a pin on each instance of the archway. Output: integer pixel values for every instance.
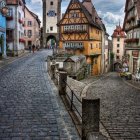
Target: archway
(51, 42)
(117, 66)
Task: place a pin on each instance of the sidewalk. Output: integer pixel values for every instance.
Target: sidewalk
(135, 84)
(9, 60)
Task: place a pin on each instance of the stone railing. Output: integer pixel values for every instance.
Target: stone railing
(85, 113)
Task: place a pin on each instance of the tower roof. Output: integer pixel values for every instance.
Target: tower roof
(118, 32)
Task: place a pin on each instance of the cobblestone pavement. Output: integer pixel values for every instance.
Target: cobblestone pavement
(120, 107)
(30, 108)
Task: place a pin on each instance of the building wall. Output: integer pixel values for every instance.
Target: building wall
(18, 30)
(51, 21)
(120, 48)
(35, 28)
(3, 33)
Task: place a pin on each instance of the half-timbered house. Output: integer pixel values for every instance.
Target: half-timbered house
(81, 33)
(132, 28)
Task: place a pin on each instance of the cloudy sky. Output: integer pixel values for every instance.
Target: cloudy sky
(111, 11)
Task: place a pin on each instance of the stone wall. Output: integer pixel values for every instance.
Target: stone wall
(76, 86)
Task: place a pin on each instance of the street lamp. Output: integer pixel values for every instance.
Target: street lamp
(3, 9)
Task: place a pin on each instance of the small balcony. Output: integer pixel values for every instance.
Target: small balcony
(132, 40)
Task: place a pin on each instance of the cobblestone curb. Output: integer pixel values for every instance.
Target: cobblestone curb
(129, 84)
(10, 60)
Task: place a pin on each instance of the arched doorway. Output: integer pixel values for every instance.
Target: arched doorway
(117, 66)
(51, 42)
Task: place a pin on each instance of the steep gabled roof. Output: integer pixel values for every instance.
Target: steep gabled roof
(118, 32)
(93, 13)
(85, 11)
(34, 15)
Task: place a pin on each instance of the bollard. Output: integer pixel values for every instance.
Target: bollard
(52, 71)
(90, 117)
(48, 64)
(62, 82)
(56, 73)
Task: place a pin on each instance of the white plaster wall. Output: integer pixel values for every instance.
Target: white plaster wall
(121, 48)
(51, 21)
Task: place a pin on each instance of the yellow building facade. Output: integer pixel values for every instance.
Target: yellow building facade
(80, 33)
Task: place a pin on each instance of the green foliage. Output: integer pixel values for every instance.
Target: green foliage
(111, 55)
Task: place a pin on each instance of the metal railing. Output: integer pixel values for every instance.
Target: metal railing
(71, 97)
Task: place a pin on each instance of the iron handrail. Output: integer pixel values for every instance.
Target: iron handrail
(72, 97)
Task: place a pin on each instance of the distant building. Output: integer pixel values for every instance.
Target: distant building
(81, 33)
(2, 31)
(51, 16)
(106, 54)
(132, 28)
(41, 37)
(31, 29)
(118, 39)
(15, 29)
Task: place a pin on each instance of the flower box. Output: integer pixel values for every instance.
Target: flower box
(20, 21)
(9, 18)
(21, 40)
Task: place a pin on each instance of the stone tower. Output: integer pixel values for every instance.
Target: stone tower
(51, 16)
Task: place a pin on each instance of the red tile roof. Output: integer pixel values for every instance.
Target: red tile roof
(118, 32)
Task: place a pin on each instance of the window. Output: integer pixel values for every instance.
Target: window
(91, 46)
(51, 3)
(51, 28)
(29, 33)
(100, 45)
(74, 15)
(10, 12)
(19, 34)
(117, 57)
(24, 32)
(29, 23)
(29, 43)
(19, 15)
(9, 34)
(118, 51)
(118, 45)
(95, 61)
(118, 39)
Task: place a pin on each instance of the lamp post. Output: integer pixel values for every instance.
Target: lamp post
(3, 9)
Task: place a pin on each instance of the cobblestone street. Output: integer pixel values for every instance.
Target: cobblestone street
(30, 108)
(120, 107)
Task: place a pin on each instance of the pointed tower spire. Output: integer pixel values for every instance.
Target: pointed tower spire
(86, 0)
(119, 23)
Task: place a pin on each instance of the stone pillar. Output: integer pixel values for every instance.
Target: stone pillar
(48, 64)
(62, 82)
(56, 73)
(53, 71)
(90, 116)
